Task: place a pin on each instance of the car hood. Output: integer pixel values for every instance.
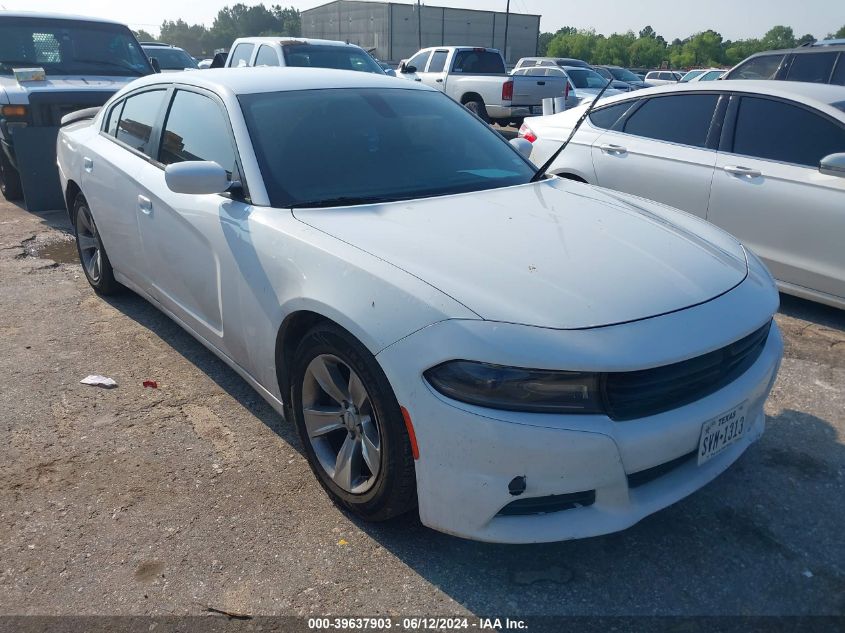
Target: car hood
(552, 254)
(18, 92)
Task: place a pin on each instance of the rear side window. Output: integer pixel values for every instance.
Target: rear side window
(813, 67)
(763, 67)
(196, 129)
(775, 130)
(266, 57)
(139, 114)
(604, 118)
(479, 62)
(683, 119)
(438, 62)
(241, 55)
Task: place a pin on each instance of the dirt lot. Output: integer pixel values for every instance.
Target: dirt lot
(195, 495)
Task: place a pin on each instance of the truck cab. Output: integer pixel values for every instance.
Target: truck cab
(52, 65)
(300, 51)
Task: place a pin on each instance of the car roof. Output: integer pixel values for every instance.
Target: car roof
(278, 39)
(39, 15)
(821, 94)
(251, 80)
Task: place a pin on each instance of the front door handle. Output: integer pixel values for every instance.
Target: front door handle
(612, 149)
(417, 79)
(87, 164)
(145, 205)
(440, 81)
(739, 170)
(541, 83)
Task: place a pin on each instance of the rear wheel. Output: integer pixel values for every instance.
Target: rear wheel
(10, 180)
(351, 426)
(92, 255)
(477, 108)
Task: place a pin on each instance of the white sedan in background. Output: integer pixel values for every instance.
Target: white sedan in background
(764, 160)
(526, 359)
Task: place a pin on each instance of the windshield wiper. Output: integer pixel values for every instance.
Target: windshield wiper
(542, 171)
(345, 201)
(105, 62)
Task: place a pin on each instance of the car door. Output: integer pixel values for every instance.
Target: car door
(435, 74)
(113, 162)
(663, 149)
(768, 191)
(184, 236)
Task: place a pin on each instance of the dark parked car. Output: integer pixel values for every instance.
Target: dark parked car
(821, 62)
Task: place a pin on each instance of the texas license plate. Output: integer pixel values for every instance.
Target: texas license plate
(536, 109)
(720, 432)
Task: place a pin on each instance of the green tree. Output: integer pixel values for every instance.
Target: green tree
(647, 52)
(290, 20)
(143, 36)
(779, 37)
(735, 52)
(614, 49)
(808, 38)
(545, 39)
(190, 37)
(579, 45)
(838, 35)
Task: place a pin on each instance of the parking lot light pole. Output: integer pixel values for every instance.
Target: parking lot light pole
(419, 25)
(507, 17)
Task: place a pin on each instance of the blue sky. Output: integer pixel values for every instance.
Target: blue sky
(734, 19)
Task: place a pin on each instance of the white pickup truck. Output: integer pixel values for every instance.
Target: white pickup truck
(477, 78)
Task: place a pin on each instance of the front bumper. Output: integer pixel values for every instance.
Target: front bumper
(469, 455)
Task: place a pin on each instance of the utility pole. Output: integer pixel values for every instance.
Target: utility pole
(419, 25)
(507, 16)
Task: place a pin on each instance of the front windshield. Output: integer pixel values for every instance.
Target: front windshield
(69, 47)
(691, 75)
(623, 75)
(321, 56)
(585, 78)
(344, 146)
(171, 58)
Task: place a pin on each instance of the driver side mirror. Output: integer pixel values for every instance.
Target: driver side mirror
(154, 63)
(198, 177)
(405, 69)
(219, 60)
(833, 165)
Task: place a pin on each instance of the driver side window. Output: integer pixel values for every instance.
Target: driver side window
(419, 61)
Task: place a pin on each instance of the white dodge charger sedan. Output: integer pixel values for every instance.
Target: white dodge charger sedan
(525, 359)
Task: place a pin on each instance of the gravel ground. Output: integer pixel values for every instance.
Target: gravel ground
(195, 495)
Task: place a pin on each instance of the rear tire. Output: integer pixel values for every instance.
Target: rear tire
(10, 179)
(92, 255)
(357, 416)
(478, 109)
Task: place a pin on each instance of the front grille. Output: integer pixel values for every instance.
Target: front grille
(550, 503)
(642, 477)
(637, 394)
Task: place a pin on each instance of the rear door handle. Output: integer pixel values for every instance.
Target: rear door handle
(88, 164)
(612, 149)
(541, 83)
(145, 205)
(739, 170)
(440, 81)
(417, 79)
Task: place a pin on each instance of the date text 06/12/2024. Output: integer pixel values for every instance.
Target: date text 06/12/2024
(415, 623)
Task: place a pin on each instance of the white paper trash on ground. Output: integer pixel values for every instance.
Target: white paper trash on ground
(99, 381)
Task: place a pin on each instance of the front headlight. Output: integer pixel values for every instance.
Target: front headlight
(517, 388)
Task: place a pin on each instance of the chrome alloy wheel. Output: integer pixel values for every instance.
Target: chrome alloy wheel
(89, 244)
(341, 423)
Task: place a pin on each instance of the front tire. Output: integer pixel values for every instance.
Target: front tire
(350, 424)
(92, 255)
(10, 179)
